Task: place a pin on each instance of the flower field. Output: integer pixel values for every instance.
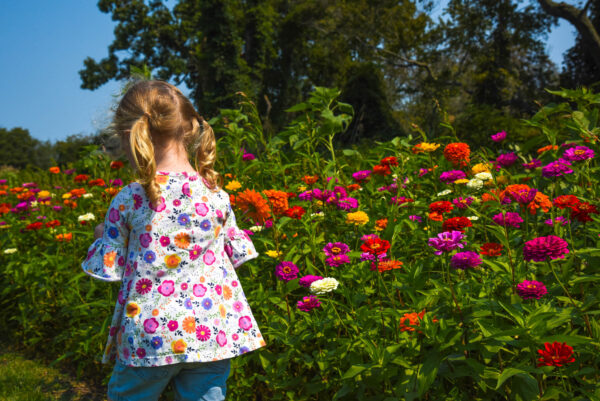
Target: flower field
(419, 268)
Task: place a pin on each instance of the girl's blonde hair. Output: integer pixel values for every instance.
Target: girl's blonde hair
(155, 111)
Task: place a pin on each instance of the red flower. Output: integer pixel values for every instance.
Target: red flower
(53, 223)
(81, 178)
(457, 153)
(295, 212)
(381, 169)
(441, 206)
(555, 354)
(34, 226)
(389, 161)
(581, 212)
(116, 165)
(491, 249)
(375, 246)
(456, 224)
(97, 182)
(565, 201)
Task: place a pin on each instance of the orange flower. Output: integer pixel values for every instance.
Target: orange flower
(227, 293)
(540, 201)
(77, 192)
(189, 324)
(490, 197)
(353, 187)
(53, 223)
(253, 205)
(389, 265)
(436, 216)
(54, 170)
(81, 178)
(4, 208)
(381, 224)
(457, 153)
(64, 237)
(25, 195)
(381, 169)
(182, 240)
(16, 190)
(414, 320)
(116, 165)
(310, 179)
(112, 191)
(277, 199)
(109, 258)
(97, 182)
(547, 148)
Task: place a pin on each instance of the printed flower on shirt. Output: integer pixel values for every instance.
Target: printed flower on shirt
(245, 323)
(178, 346)
(199, 290)
(172, 261)
(132, 309)
(202, 333)
(167, 288)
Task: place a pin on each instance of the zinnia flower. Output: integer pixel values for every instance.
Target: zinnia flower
(451, 176)
(324, 285)
(457, 153)
(306, 281)
(410, 321)
(308, 303)
(253, 205)
(555, 354)
(510, 219)
(465, 260)
(447, 241)
(337, 260)
(578, 153)
(557, 168)
(581, 212)
(491, 249)
(457, 224)
(543, 248)
(375, 246)
(531, 289)
(564, 201)
(441, 207)
(506, 160)
(277, 199)
(358, 218)
(499, 137)
(286, 271)
(336, 248)
(462, 203)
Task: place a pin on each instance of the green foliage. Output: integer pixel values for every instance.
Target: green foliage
(474, 339)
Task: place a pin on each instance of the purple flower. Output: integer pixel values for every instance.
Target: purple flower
(369, 236)
(337, 260)
(248, 156)
(578, 153)
(465, 260)
(69, 171)
(451, 176)
(531, 289)
(447, 241)
(336, 248)
(361, 175)
(511, 219)
(462, 203)
(499, 137)
(308, 303)
(558, 220)
(545, 248)
(506, 160)
(117, 182)
(534, 163)
(306, 195)
(286, 271)
(307, 280)
(347, 203)
(422, 172)
(557, 168)
(414, 217)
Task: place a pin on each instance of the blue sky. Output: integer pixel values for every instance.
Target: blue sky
(43, 47)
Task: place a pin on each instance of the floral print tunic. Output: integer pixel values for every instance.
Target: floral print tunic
(180, 298)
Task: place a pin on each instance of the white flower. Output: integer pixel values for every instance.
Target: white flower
(324, 285)
(256, 228)
(88, 195)
(319, 214)
(475, 183)
(472, 218)
(445, 192)
(86, 217)
(483, 176)
(52, 194)
(10, 250)
(34, 203)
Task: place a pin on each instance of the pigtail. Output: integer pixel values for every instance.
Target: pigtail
(143, 154)
(204, 149)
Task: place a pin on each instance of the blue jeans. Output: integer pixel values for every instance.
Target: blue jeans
(192, 381)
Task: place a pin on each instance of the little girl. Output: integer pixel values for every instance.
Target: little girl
(171, 239)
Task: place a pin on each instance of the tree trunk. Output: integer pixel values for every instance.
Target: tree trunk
(579, 20)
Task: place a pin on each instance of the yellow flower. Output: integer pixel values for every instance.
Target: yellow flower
(178, 346)
(233, 185)
(132, 309)
(274, 254)
(43, 194)
(481, 168)
(461, 181)
(67, 195)
(428, 147)
(357, 218)
(172, 261)
(302, 188)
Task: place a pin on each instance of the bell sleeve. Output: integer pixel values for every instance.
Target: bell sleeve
(238, 245)
(107, 256)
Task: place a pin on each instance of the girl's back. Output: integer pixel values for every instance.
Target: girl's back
(180, 298)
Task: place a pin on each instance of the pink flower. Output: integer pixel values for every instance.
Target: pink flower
(172, 325)
(531, 289)
(544, 248)
(150, 325)
(245, 323)
(308, 303)
(199, 290)
(510, 219)
(202, 333)
(307, 280)
(499, 137)
(166, 288)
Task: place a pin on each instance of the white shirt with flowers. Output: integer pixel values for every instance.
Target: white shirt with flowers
(180, 298)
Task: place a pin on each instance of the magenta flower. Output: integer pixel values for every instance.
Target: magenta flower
(361, 175)
(347, 203)
(534, 163)
(511, 219)
(449, 177)
(544, 248)
(499, 137)
(447, 241)
(462, 203)
(506, 160)
(368, 237)
(416, 218)
(336, 248)
(308, 303)
(524, 196)
(307, 280)
(465, 260)
(286, 271)
(531, 289)
(578, 153)
(563, 221)
(306, 195)
(422, 172)
(557, 168)
(248, 157)
(337, 260)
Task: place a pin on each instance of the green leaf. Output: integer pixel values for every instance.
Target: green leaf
(428, 372)
(354, 370)
(507, 374)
